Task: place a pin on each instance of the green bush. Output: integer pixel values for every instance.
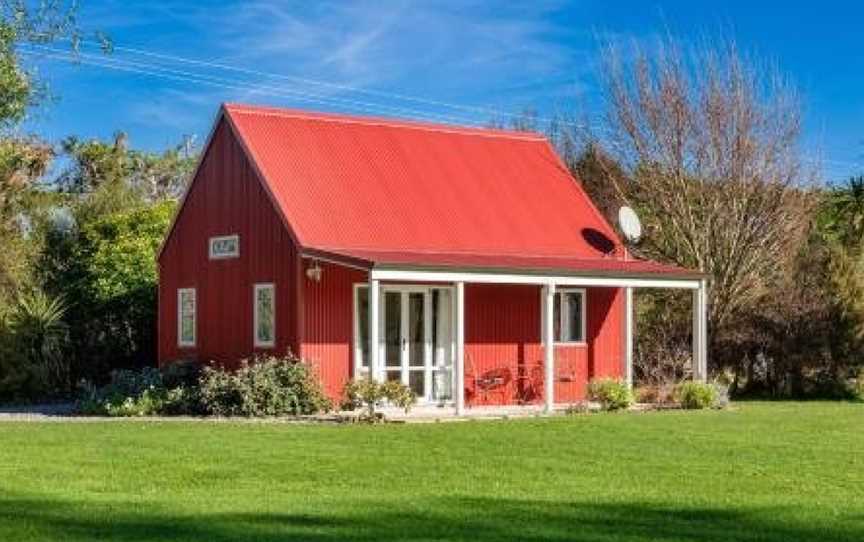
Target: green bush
(610, 393)
(264, 386)
(185, 373)
(697, 395)
(368, 394)
(138, 393)
(33, 335)
(220, 392)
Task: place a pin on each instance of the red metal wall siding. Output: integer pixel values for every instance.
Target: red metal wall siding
(328, 315)
(226, 198)
(502, 329)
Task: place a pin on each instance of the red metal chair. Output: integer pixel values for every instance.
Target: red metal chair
(529, 387)
(487, 382)
(565, 373)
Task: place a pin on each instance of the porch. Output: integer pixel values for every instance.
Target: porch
(412, 328)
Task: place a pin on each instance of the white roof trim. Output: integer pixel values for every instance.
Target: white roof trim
(509, 278)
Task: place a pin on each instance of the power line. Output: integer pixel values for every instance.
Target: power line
(154, 70)
(327, 84)
(185, 76)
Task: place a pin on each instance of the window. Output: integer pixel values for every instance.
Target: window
(361, 322)
(569, 316)
(265, 315)
(186, 309)
(227, 246)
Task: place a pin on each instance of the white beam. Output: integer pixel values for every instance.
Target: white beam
(628, 336)
(460, 348)
(374, 312)
(549, 345)
(409, 275)
(700, 332)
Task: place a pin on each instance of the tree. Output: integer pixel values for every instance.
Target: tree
(23, 160)
(107, 273)
(128, 173)
(709, 143)
(841, 223)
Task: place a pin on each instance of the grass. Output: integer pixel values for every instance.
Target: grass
(761, 472)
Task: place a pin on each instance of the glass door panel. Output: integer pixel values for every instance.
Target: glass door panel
(393, 335)
(417, 340)
(442, 344)
(416, 336)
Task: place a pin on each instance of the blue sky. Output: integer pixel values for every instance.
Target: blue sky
(409, 58)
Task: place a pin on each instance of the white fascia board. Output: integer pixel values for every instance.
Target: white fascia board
(410, 275)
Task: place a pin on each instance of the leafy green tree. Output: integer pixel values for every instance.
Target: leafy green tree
(107, 270)
(24, 160)
(841, 223)
(842, 213)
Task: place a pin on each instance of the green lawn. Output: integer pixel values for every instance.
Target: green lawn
(775, 472)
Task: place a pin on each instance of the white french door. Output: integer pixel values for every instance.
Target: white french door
(417, 339)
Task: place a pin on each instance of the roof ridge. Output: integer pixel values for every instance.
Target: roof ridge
(393, 122)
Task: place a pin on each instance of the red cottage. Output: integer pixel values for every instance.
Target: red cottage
(466, 263)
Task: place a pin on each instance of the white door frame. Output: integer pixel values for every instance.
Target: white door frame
(428, 362)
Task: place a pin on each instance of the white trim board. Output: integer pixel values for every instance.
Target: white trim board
(507, 278)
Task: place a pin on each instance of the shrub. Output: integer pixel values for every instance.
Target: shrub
(33, 335)
(131, 383)
(367, 393)
(182, 401)
(220, 392)
(697, 395)
(264, 386)
(181, 373)
(611, 394)
(658, 394)
(138, 393)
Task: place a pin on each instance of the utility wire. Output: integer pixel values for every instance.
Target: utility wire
(150, 69)
(489, 112)
(181, 75)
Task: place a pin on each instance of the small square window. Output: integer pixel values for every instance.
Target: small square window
(227, 246)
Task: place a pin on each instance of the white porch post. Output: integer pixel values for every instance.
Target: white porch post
(549, 345)
(628, 336)
(460, 348)
(700, 332)
(374, 312)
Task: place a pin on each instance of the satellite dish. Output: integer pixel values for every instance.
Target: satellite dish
(630, 225)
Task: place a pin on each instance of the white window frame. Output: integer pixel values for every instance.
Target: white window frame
(214, 240)
(258, 343)
(358, 348)
(559, 295)
(180, 342)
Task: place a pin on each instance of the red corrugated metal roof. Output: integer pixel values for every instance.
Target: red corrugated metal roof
(391, 191)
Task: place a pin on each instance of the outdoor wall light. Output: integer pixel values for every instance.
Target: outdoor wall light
(313, 272)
